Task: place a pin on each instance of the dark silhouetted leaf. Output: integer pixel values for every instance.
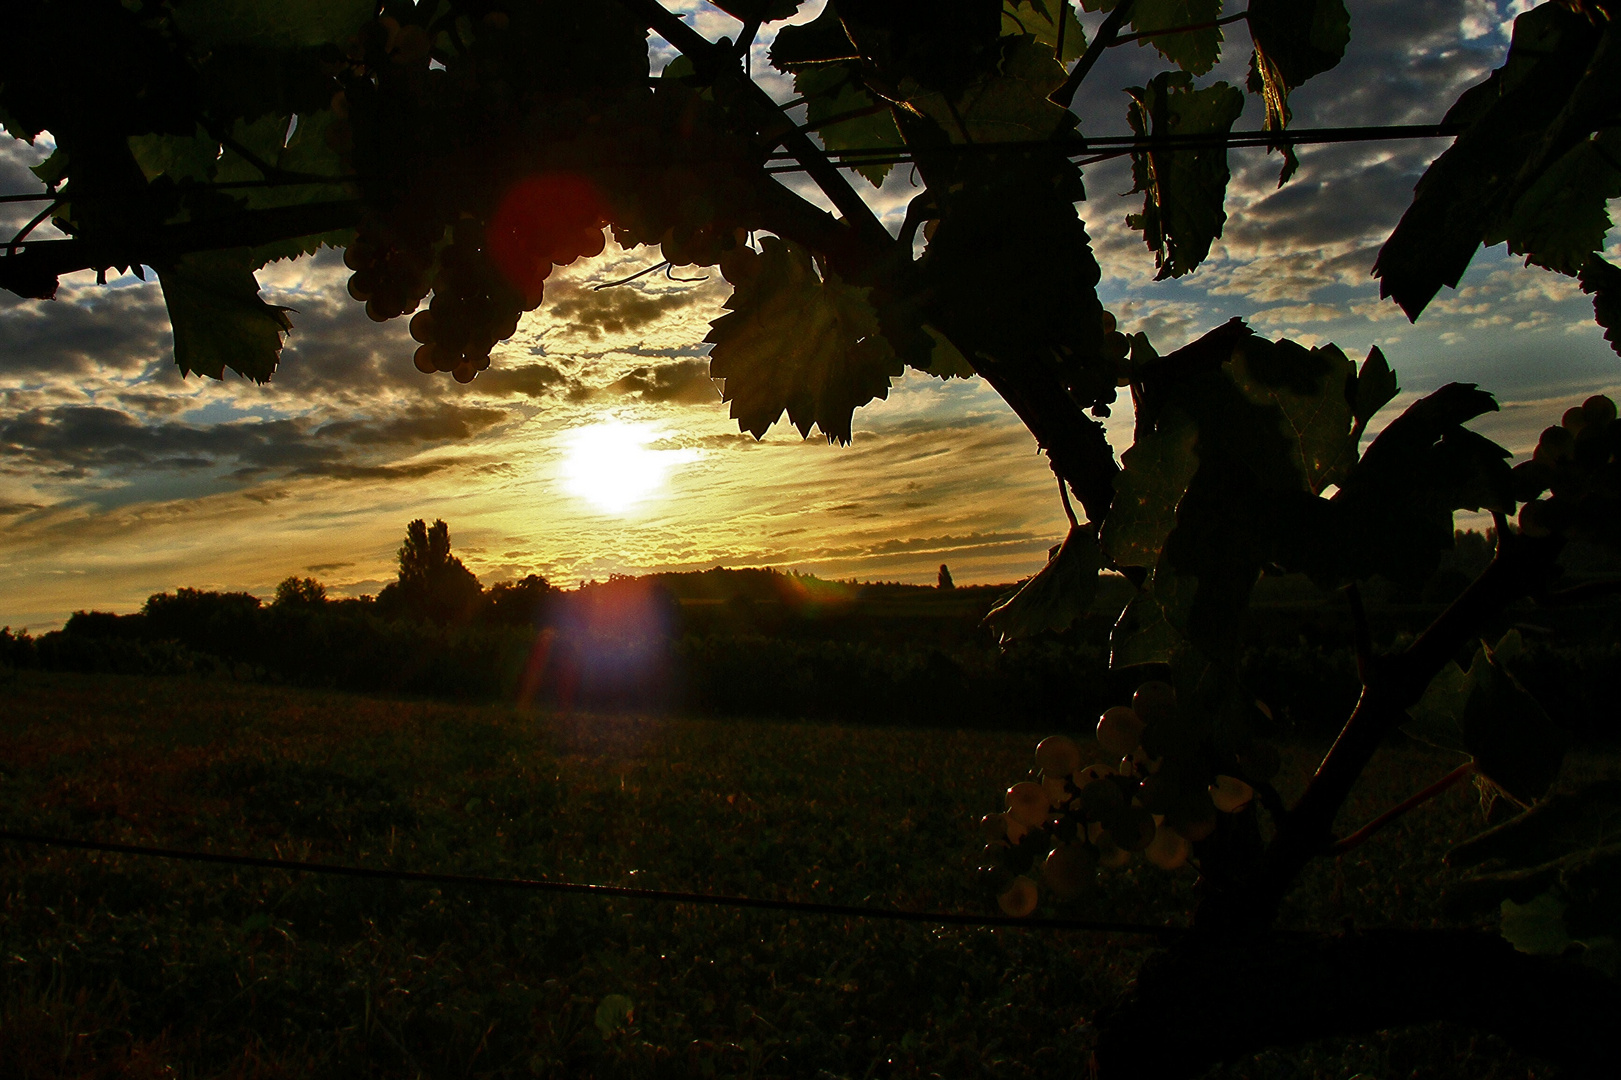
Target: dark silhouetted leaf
(819, 41)
(1154, 476)
(1309, 390)
(832, 90)
(1041, 19)
(1602, 280)
(765, 10)
(1513, 741)
(1184, 191)
(218, 318)
(1057, 595)
(1194, 51)
(797, 341)
(1376, 386)
(1143, 634)
(1480, 178)
(210, 24)
(1563, 217)
(1005, 103)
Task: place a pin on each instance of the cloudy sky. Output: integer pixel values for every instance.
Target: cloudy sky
(597, 444)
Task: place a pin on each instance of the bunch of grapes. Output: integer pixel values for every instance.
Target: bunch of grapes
(473, 308)
(1579, 464)
(390, 274)
(1156, 796)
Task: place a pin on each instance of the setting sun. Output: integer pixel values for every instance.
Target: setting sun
(612, 466)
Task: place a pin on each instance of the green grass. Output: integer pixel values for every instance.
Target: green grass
(124, 966)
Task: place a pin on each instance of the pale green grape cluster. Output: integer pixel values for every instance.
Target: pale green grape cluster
(1158, 795)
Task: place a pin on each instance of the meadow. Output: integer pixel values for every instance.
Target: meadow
(127, 966)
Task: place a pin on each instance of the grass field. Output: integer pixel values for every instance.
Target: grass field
(122, 966)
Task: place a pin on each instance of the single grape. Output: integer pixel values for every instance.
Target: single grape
(1556, 445)
(1020, 897)
(1058, 755)
(1027, 803)
(1120, 731)
(1069, 869)
(1229, 794)
(422, 327)
(994, 827)
(1016, 831)
(424, 360)
(1533, 519)
(1109, 322)
(1139, 763)
(1169, 848)
(464, 372)
(1155, 701)
(1110, 854)
(1574, 420)
(1598, 410)
(1056, 791)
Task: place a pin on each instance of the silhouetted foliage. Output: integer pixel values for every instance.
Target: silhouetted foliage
(943, 580)
(433, 584)
(296, 591)
(516, 603)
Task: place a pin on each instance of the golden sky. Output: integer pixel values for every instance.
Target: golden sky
(596, 443)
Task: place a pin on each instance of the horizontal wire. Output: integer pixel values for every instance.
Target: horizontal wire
(890, 155)
(943, 918)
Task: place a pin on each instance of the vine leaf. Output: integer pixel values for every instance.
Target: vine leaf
(1376, 386)
(218, 317)
(1602, 280)
(1293, 42)
(820, 41)
(1311, 390)
(1554, 872)
(833, 90)
(1154, 476)
(1464, 191)
(1563, 217)
(1040, 19)
(1489, 715)
(1143, 634)
(1007, 102)
(1058, 593)
(1194, 51)
(1393, 512)
(946, 361)
(210, 24)
(1184, 191)
(797, 341)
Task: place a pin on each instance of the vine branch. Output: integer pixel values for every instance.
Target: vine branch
(1179, 29)
(1065, 94)
(1358, 838)
(718, 62)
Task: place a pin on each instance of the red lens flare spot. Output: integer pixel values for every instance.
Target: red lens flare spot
(553, 218)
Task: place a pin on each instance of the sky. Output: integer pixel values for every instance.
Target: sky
(596, 443)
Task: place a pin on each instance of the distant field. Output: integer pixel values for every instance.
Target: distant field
(126, 966)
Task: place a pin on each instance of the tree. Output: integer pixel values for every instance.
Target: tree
(432, 584)
(465, 147)
(294, 591)
(943, 579)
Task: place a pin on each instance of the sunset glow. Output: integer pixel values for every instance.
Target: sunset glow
(612, 466)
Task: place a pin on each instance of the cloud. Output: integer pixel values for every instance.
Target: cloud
(684, 381)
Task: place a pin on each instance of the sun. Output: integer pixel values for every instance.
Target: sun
(612, 466)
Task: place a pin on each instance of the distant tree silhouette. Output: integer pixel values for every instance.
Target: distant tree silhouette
(944, 580)
(516, 603)
(433, 584)
(294, 591)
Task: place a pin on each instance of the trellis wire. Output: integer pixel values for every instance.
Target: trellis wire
(942, 918)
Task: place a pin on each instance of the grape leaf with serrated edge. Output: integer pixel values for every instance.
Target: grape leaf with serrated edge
(1194, 51)
(833, 90)
(218, 317)
(1007, 103)
(1293, 41)
(1184, 191)
(1509, 115)
(1602, 280)
(1154, 475)
(1563, 217)
(796, 341)
(1376, 386)
(1308, 388)
(1057, 595)
(1040, 19)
